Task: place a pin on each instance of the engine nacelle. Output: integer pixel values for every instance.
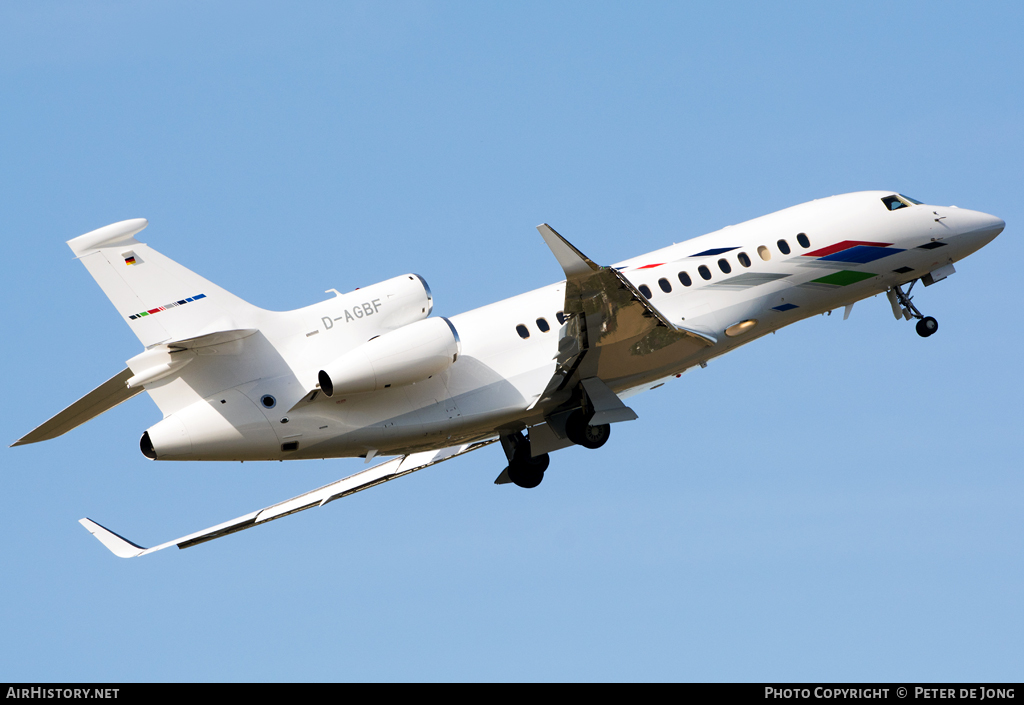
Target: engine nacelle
(403, 356)
(385, 306)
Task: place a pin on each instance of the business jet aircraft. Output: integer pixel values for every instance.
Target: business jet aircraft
(370, 373)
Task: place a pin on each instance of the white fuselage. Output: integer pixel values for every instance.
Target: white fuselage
(763, 274)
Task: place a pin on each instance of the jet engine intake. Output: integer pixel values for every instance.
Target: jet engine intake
(403, 356)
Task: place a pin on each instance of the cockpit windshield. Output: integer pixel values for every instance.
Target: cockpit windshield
(898, 200)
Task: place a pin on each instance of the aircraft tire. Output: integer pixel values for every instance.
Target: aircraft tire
(927, 327)
(583, 434)
(528, 472)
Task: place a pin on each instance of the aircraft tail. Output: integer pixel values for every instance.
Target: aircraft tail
(160, 299)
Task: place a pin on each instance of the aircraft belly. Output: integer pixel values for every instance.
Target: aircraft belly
(413, 416)
(500, 402)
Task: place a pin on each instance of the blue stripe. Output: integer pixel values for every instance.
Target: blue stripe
(715, 251)
(861, 254)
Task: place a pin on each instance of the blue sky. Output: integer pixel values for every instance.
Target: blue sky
(841, 501)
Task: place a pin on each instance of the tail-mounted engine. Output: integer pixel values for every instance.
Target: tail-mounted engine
(407, 355)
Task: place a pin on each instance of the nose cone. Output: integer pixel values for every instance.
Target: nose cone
(994, 227)
(977, 229)
(981, 227)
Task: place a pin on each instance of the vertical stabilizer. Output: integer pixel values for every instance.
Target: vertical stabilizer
(158, 298)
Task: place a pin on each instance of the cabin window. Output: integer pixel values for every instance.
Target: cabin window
(684, 279)
(744, 260)
(523, 331)
(764, 253)
(802, 239)
(542, 324)
(665, 285)
(561, 318)
(645, 290)
(705, 273)
(783, 247)
(724, 265)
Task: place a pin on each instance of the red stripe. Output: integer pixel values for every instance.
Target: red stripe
(649, 266)
(844, 245)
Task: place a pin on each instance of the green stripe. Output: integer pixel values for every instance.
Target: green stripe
(843, 278)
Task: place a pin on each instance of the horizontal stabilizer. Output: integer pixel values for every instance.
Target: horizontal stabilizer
(378, 474)
(103, 398)
(210, 339)
(108, 236)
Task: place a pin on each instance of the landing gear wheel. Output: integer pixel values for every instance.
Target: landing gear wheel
(927, 326)
(583, 434)
(527, 472)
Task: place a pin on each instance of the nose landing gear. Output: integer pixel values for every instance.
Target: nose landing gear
(903, 307)
(927, 326)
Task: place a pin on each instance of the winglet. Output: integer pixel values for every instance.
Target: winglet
(118, 545)
(574, 263)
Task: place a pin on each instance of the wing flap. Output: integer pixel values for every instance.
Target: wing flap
(105, 397)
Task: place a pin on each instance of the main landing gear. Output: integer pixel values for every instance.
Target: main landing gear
(903, 307)
(580, 432)
(525, 470)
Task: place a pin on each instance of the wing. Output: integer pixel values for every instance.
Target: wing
(366, 479)
(613, 332)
